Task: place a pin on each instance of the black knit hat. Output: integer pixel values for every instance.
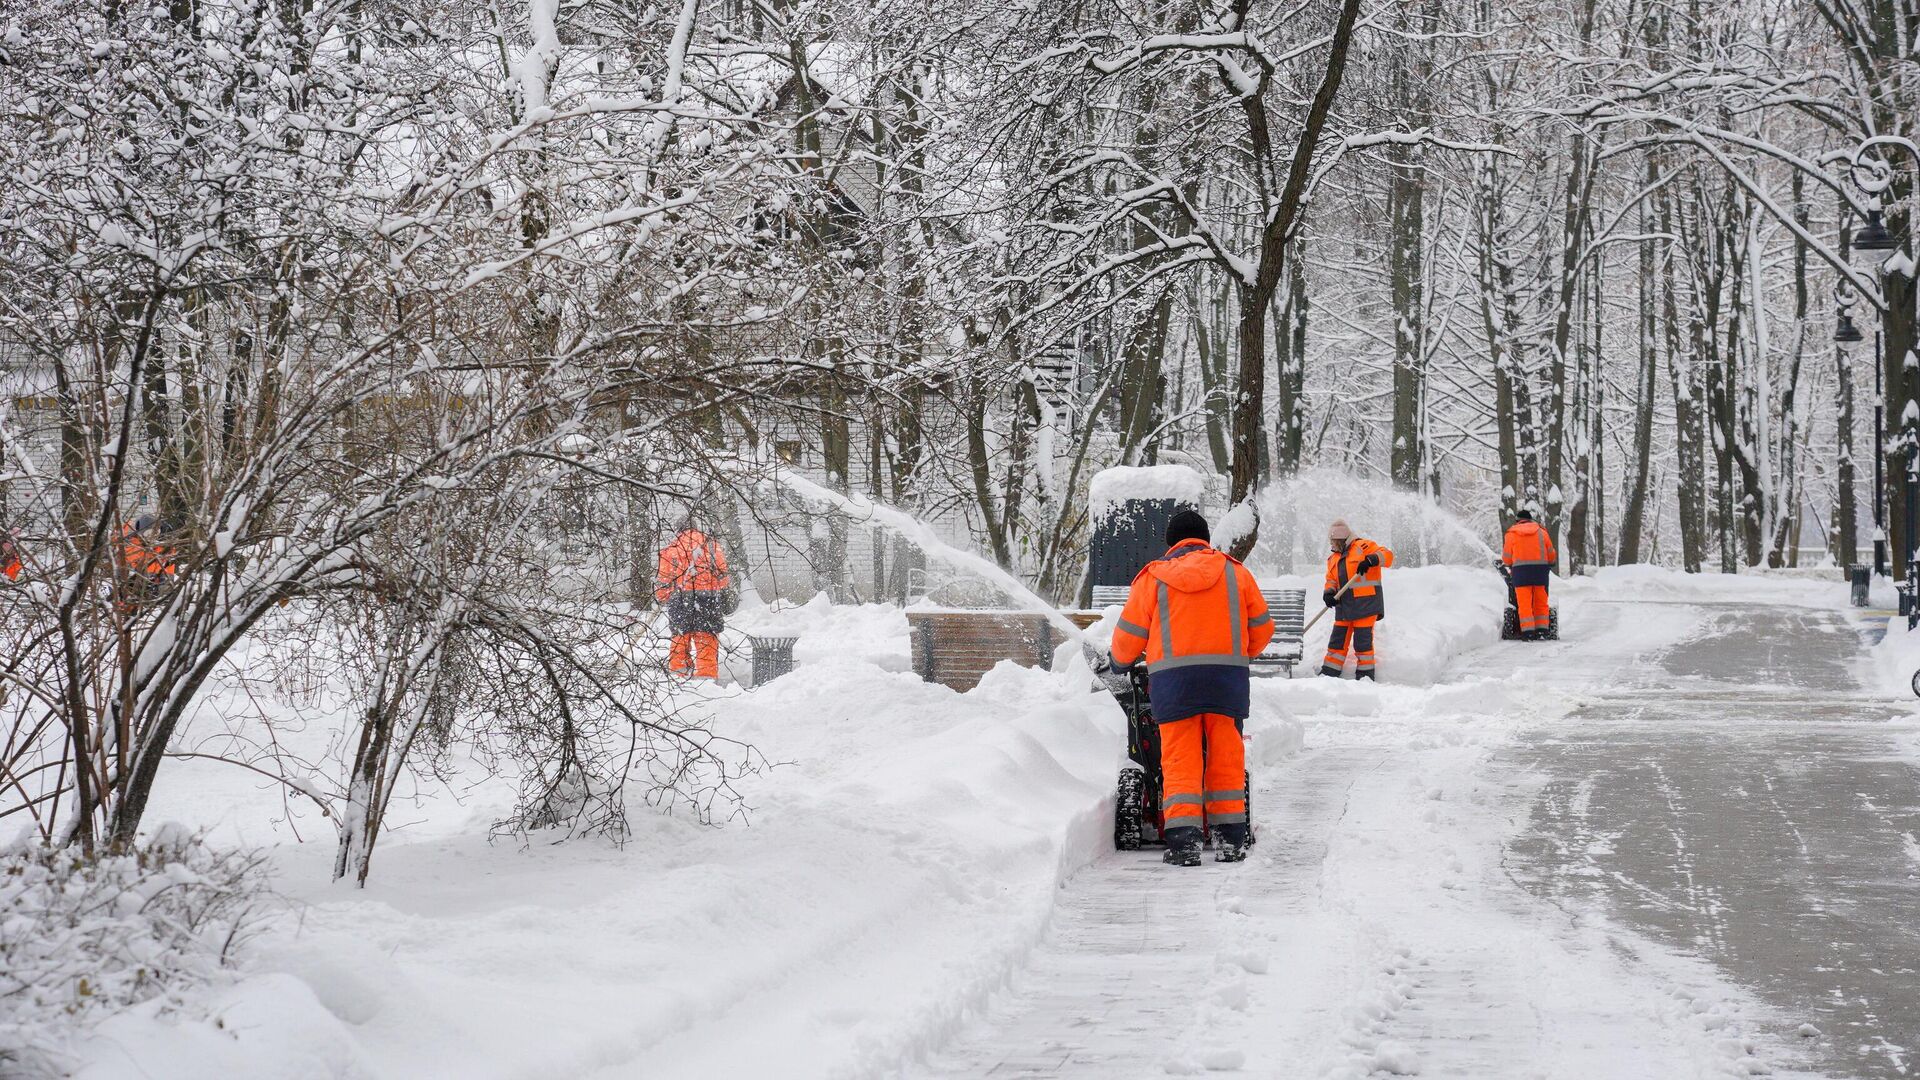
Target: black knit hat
(1523, 514)
(1187, 525)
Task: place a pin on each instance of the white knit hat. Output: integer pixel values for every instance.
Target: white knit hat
(1339, 530)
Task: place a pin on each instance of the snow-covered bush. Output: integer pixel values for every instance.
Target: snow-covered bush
(81, 939)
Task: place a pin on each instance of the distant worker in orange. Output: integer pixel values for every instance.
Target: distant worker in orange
(10, 555)
(1198, 618)
(150, 565)
(1530, 556)
(1359, 560)
(693, 582)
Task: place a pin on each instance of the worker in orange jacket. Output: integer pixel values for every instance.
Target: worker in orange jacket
(1530, 557)
(10, 564)
(1198, 618)
(1359, 608)
(149, 564)
(692, 580)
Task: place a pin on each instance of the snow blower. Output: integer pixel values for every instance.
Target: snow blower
(1137, 818)
(1510, 619)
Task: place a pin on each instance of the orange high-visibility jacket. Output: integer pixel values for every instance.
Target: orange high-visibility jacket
(144, 556)
(1529, 550)
(1198, 617)
(691, 563)
(9, 559)
(1364, 600)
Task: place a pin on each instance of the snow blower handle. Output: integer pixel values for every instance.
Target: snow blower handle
(1336, 601)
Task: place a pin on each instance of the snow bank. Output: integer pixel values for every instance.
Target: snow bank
(901, 860)
(1893, 664)
(127, 934)
(1643, 582)
(1111, 487)
(874, 633)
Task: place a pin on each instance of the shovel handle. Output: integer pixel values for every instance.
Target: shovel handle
(1336, 600)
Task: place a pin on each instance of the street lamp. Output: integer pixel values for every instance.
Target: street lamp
(1876, 237)
(1846, 333)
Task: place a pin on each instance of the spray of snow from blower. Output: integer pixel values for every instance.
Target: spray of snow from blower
(1297, 511)
(1306, 503)
(923, 537)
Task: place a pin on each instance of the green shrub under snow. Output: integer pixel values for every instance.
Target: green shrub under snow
(82, 939)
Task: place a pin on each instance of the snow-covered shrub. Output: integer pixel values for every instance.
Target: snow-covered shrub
(81, 939)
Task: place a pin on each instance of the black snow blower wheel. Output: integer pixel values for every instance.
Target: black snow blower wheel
(1129, 809)
(1510, 622)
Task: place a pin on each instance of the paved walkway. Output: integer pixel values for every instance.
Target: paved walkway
(1748, 803)
(1709, 867)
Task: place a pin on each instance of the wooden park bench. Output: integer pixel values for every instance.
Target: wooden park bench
(955, 648)
(1287, 606)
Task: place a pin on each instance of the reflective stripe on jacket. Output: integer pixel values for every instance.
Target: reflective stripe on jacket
(691, 563)
(1365, 599)
(1529, 551)
(1198, 618)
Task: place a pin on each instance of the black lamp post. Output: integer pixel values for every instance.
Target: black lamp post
(1874, 236)
(1845, 332)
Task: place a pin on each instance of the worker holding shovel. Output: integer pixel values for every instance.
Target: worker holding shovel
(1353, 592)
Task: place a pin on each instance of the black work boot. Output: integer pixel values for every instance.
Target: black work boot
(1183, 846)
(1229, 844)
(1330, 672)
(1182, 854)
(1367, 675)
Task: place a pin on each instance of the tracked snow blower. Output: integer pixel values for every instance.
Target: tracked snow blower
(1510, 619)
(1137, 818)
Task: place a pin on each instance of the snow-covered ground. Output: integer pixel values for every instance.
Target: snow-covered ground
(925, 868)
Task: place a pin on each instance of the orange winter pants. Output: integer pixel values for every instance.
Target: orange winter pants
(696, 654)
(1532, 601)
(1355, 637)
(1203, 767)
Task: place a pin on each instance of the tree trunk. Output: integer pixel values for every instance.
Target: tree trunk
(1249, 404)
(1787, 495)
(1689, 436)
(1635, 511)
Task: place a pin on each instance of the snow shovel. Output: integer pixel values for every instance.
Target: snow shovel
(1336, 603)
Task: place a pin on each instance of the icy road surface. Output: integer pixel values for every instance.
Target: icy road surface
(1682, 842)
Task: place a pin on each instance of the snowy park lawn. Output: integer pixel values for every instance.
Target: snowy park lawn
(899, 866)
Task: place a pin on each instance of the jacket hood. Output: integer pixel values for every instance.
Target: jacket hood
(1525, 526)
(1195, 569)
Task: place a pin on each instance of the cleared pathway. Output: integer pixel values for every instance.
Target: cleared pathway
(1704, 860)
(1754, 807)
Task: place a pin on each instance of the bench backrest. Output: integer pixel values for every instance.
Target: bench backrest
(1287, 606)
(955, 648)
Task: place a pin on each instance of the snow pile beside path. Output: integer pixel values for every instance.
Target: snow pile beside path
(899, 865)
(874, 633)
(1643, 582)
(1111, 487)
(1434, 614)
(1892, 664)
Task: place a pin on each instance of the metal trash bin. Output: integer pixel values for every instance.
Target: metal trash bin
(772, 658)
(1860, 578)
